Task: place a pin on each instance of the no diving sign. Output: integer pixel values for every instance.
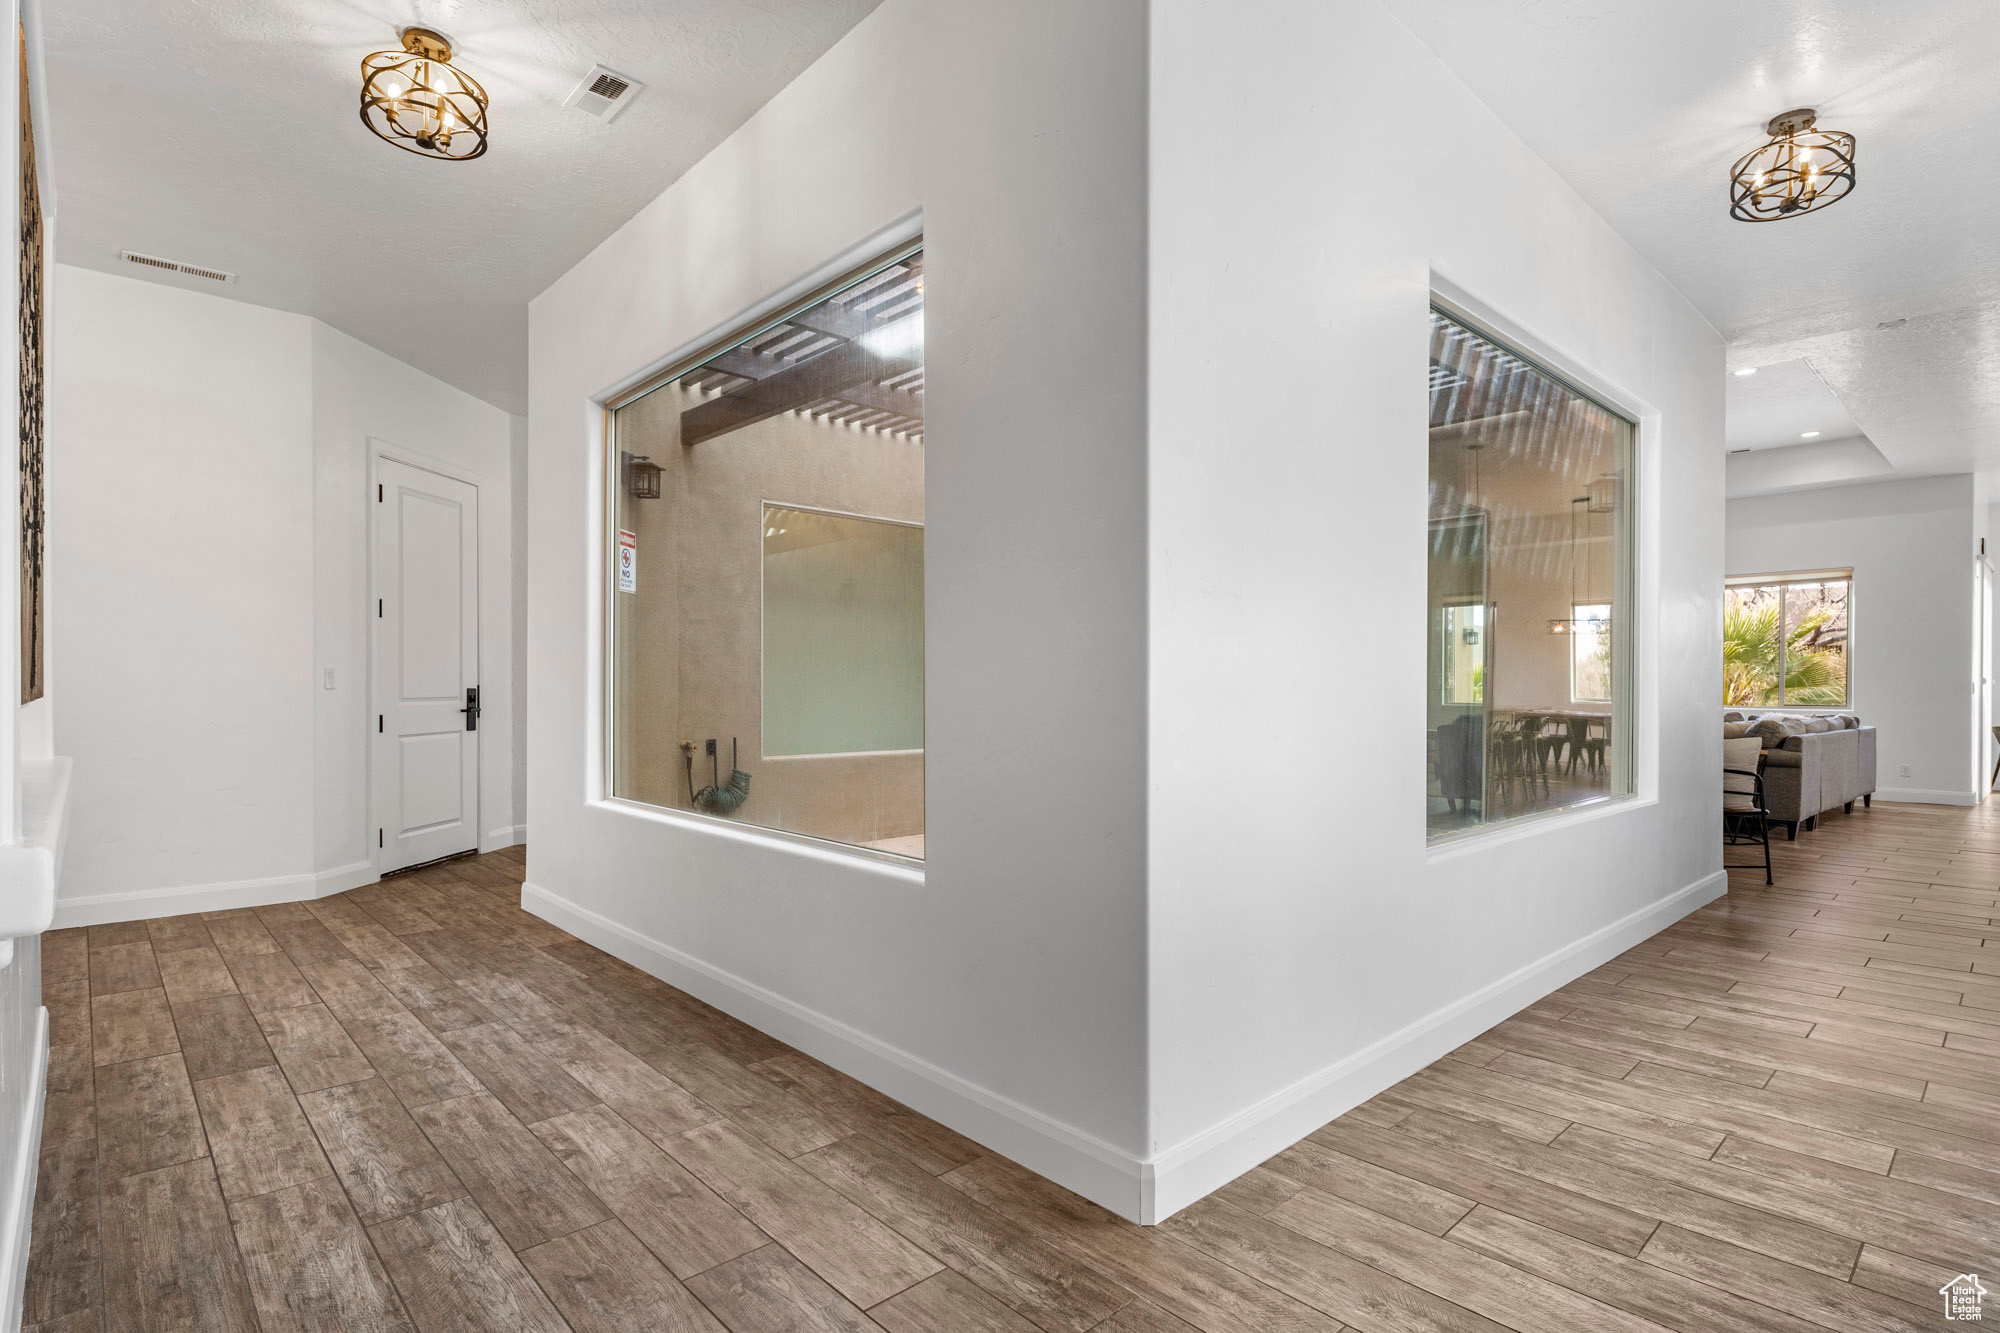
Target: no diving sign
(628, 561)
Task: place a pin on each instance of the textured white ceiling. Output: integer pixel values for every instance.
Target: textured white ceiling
(1643, 107)
(1781, 402)
(1927, 392)
(225, 132)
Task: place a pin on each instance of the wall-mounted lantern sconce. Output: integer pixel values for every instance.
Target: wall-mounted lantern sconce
(642, 476)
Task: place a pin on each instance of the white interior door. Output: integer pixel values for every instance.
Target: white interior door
(426, 750)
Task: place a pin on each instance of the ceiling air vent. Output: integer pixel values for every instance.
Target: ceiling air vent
(603, 93)
(175, 266)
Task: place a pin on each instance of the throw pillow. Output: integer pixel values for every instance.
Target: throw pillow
(1771, 730)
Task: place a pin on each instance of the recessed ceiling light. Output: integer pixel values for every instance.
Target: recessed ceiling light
(1809, 435)
(1747, 370)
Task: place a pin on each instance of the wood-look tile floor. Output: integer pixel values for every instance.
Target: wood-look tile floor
(415, 1106)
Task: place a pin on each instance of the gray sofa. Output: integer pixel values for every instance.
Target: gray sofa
(1811, 763)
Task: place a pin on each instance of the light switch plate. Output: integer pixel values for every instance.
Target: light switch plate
(328, 683)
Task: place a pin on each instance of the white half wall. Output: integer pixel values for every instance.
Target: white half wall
(208, 465)
(1911, 667)
(1001, 989)
(1315, 170)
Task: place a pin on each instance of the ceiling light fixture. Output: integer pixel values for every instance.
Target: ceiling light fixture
(417, 100)
(1797, 170)
(1747, 370)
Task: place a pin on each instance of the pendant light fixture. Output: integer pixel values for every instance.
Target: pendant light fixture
(1573, 624)
(420, 102)
(1568, 624)
(1798, 170)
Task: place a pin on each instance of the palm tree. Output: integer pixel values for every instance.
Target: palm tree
(1814, 676)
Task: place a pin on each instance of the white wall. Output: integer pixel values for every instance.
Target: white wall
(517, 480)
(180, 515)
(1303, 950)
(24, 742)
(1911, 544)
(1312, 166)
(364, 400)
(208, 469)
(1002, 988)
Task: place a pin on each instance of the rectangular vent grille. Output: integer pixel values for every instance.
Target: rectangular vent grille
(175, 266)
(603, 93)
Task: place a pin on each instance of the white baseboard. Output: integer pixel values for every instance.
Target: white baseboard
(498, 838)
(141, 904)
(1144, 1190)
(1925, 796)
(17, 1210)
(1197, 1166)
(1072, 1158)
(342, 878)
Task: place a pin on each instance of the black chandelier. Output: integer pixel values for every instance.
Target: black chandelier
(417, 100)
(1797, 170)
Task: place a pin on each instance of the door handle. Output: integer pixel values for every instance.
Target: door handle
(471, 709)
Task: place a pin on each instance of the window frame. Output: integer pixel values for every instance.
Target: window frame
(887, 249)
(1629, 586)
(1793, 579)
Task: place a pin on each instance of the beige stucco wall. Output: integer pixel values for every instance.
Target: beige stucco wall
(690, 639)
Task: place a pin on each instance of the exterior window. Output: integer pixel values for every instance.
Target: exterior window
(1590, 654)
(1784, 640)
(843, 634)
(766, 574)
(1464, 656)
(1530, 578)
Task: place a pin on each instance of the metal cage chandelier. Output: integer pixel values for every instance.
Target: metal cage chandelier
(417, 100)
(1797, 171)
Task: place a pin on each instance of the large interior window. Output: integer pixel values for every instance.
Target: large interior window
(766, 574)
(1784, 639)
(1530, 537)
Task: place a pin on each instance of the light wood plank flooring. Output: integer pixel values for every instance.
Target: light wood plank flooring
(414, 1106)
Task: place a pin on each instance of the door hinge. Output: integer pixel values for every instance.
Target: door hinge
(378, 492)
(378, 837)
(378, 724)
(378, 608)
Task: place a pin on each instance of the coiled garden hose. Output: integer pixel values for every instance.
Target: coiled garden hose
(716, 799)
